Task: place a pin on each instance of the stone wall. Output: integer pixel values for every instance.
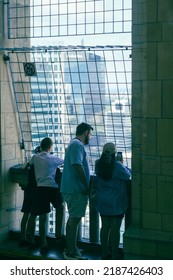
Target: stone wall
(11, 195)
(151, 232)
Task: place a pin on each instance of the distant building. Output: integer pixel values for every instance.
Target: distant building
(47, 100)
(118, 125)
(84, 76)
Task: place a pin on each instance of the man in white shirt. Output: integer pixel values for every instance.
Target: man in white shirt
(47, 190)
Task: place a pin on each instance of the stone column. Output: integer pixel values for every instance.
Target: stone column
(150, 235)
(11, 195)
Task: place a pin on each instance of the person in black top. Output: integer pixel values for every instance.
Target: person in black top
(27, 202)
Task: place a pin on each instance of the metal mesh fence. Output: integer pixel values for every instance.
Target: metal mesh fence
(56, 89)
(52, 18)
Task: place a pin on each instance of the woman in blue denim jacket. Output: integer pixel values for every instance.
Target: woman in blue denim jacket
(111, 198)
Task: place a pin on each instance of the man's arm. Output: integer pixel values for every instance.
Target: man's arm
(80, 170)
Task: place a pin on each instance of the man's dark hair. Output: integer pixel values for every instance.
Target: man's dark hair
(46, 143)
(82, 127)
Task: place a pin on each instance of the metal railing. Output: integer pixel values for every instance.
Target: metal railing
(89, 229)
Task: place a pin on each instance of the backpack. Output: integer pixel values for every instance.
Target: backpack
(58, 176)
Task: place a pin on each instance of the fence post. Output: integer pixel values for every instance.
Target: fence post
(93, 213)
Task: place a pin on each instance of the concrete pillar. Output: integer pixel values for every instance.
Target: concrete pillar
(11, 195)
(150, 235)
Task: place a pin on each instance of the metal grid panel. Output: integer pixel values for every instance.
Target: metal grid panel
(56, 89)
(84, 226)
(52, 18)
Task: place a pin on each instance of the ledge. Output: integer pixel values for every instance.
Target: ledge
(148, 234)
(141, 244)
(10, 249)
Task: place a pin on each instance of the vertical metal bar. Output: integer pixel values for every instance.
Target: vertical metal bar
(94, 230)
(8, 18)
